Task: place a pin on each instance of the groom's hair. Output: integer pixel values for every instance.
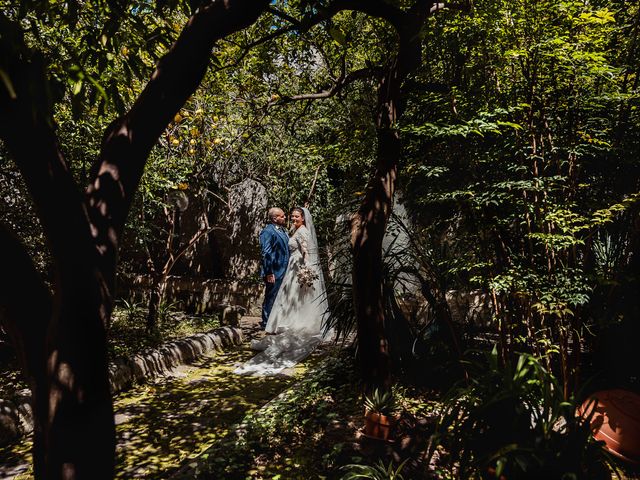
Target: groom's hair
(273, 211)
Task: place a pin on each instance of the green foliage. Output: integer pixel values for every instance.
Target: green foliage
(97, 52)
(301, 432)
(381, 401)
(376, 472)
(515, 420)
(130, 310)
(341, 316)
(128, 336)
(530, 159)
(12, 380)
(18, 214)
(310, 404)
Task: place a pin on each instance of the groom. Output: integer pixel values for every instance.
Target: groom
(274, 243)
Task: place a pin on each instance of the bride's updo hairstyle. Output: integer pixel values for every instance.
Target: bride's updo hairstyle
(301, 212)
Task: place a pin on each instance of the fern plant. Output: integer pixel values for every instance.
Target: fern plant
(381, 401)
(374, 472)
(515, 420)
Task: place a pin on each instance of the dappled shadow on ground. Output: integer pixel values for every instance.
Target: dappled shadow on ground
(15, 459)
(163, 424)
(314, 429)
(305, 433)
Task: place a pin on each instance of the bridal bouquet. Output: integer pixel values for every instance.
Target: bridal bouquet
(306, 276)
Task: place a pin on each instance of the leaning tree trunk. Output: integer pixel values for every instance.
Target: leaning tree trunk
(80, 419)
(368, 228)
(370, 222)
(26, 301)
(62, 342)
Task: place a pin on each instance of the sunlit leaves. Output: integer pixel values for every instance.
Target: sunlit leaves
(101, 50)
(522, 163)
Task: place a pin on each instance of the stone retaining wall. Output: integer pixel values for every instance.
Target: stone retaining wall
(197, 295)
(471, 308)
(468, 309)
(16, 415)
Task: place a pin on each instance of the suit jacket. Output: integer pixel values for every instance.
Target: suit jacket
(274, 244)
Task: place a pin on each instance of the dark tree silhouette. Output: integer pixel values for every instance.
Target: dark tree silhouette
(60, 337)
(370, 221)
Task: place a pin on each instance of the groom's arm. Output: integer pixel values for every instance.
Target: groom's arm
(266, 244)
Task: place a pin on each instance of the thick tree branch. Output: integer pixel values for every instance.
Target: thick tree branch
(25, 303)
(340, 83)
(130, 138)
(26, 126)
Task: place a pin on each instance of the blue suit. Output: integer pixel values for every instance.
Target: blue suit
(274, 244)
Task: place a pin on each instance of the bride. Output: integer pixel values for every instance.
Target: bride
(296, 319)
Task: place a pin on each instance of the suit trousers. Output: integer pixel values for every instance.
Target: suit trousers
(270, 292)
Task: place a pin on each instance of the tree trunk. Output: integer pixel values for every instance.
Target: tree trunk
(368, 228)
(80, 438)
(65, 355)
(25, 309)
(370, 222)
(156, 296)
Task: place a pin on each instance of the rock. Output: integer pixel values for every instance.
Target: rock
(246, 217)
(231, 315)
(9, 422)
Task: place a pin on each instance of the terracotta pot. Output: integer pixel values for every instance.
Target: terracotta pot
(616, 421)
(377, 425)
(490, 474)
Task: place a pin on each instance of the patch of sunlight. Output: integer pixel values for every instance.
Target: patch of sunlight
(276, 441)
(176, 419)
(16, 460)
(172, 420)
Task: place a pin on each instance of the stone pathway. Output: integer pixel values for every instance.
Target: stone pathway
(163, 424)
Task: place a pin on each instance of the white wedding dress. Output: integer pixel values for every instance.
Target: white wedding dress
(296, 319)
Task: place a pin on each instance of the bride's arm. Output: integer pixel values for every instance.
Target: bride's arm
(303, 242)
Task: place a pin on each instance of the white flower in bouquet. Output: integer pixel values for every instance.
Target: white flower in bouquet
(306, 276)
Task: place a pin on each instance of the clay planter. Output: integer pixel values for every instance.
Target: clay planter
(616, 421)
(490, 474)
(377, 425)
